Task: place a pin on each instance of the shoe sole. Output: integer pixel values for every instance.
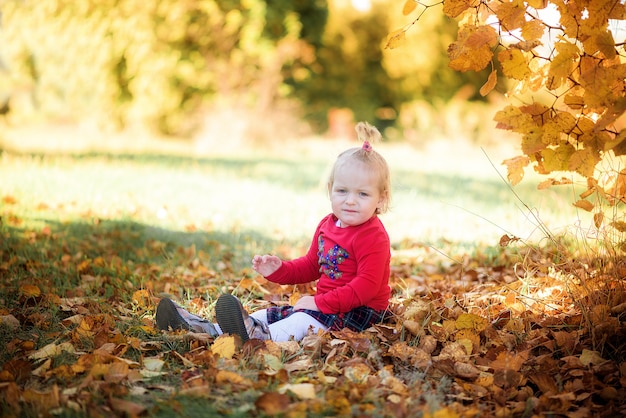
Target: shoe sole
(167, 317)
(229, 315)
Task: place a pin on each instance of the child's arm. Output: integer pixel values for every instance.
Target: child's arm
(266, 264)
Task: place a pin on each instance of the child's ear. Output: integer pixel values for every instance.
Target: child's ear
(382, 200)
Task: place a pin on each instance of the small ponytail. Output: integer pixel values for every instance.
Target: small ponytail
(367, 134)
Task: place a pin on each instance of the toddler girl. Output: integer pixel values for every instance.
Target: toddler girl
(349, 258)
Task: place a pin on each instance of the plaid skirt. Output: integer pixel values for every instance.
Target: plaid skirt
(358, 319)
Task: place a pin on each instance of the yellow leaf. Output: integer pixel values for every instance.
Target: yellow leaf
(52, 350)
(472, 49)
(141, 298)
(224, 346)
(532, 141)
(224, 376)
(537, 4)
(584, 205)
(533, 30)
(30, 291)
(295, 296)
(301, 390)
(602, 42)
(591, 357)
(441, 413)
(468, 339)
(490, 84)
(584, 161)
(511, 15)
(396, 39)
(514, 64)
(453, 8)
(512, 118)
(556, 159)
(562, 64)
(471, 321)
(574, 101)
(409, 6)
(515, 168)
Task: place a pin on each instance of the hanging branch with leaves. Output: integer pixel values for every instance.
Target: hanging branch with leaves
(573, 66)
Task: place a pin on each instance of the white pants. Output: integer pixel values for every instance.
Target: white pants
(295, 326)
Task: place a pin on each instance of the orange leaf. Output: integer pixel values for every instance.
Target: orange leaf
(584, 205)
(492, 80)
(127, 408)
(510, 361)
(273, 403)
(553, 182)
(597, 219)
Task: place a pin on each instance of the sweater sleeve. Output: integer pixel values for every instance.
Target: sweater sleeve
(370, 282)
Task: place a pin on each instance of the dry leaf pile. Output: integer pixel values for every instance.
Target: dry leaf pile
(461, 340)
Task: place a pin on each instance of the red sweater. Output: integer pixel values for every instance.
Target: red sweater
(351, 264)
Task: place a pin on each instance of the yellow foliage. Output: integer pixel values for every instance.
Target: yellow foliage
(511, 15)
(224, 346)
(514, 64)
(472, 322)
(473, 48)
(515, 168)
(453, 8)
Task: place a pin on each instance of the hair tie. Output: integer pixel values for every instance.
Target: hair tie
(367, 146)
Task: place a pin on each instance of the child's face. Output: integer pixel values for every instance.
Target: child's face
(355, 194)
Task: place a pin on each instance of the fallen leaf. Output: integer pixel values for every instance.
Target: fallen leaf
(301, 390)
(52, 350)
(272, 403)
(224, 346)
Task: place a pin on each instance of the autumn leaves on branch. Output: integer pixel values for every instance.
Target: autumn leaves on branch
(565, 75)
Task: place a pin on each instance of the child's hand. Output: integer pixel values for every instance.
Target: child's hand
(306, 302)
(266, 264)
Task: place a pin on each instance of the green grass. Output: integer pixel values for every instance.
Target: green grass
(258, 200)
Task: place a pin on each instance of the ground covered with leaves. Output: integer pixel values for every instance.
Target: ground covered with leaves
(513, 330)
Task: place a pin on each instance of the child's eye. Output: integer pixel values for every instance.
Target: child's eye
(364, 194)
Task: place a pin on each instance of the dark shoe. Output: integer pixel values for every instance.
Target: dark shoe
(168, 318)
(233, 319)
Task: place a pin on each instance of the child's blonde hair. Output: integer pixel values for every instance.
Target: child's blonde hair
(374, 161)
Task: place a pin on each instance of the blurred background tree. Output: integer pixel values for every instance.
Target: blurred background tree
(226, 69)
